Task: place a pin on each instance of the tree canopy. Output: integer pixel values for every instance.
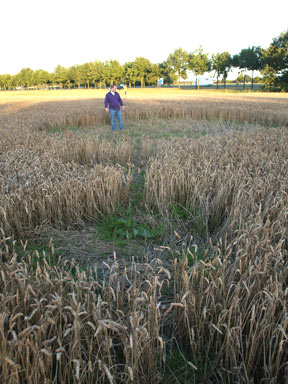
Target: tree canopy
(199, 63)
(221, 64)
(275, 62)
(178, 62)
(249, 59)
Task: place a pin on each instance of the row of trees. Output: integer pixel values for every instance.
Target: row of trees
(271, 62)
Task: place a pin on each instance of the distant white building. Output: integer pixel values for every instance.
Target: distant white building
(204, 80)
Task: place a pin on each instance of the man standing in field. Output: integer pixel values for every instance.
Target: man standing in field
(115, 103)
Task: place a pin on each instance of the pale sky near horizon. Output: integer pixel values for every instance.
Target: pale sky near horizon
(40, 34)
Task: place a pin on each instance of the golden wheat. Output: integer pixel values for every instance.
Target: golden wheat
(224, 307)
(64, 329)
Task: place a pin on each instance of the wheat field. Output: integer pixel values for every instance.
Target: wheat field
(159, 253)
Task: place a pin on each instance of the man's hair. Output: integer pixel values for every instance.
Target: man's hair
(112, 86)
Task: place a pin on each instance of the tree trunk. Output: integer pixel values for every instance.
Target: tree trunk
(217, 80)
(252, 80)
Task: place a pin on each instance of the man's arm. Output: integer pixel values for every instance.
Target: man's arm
(106, 101)
(120, 101)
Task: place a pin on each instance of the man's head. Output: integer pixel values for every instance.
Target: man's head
(113, 87)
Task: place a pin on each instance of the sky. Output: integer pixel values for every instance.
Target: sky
(41, 34)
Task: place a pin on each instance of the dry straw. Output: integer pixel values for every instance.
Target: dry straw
(226, 306)
(56, 328)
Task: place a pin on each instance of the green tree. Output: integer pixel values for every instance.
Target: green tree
(73, 76)
(130, 73)
(15, 80)
(275, 62)
(98, 68)
(26, 77)
(249, 59)
(269, 77)
(101, 71)
(221, 64)
(167, 73)
(241, 78)
(113, 72)
(142, 68)
(86, 74)
(5, 81)
(107, 73)
(258, 80)
(60, 75)
(117, 72)
(2, 82)
(41, 77)
(178, 62)
(199, 63)
(154, 74)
